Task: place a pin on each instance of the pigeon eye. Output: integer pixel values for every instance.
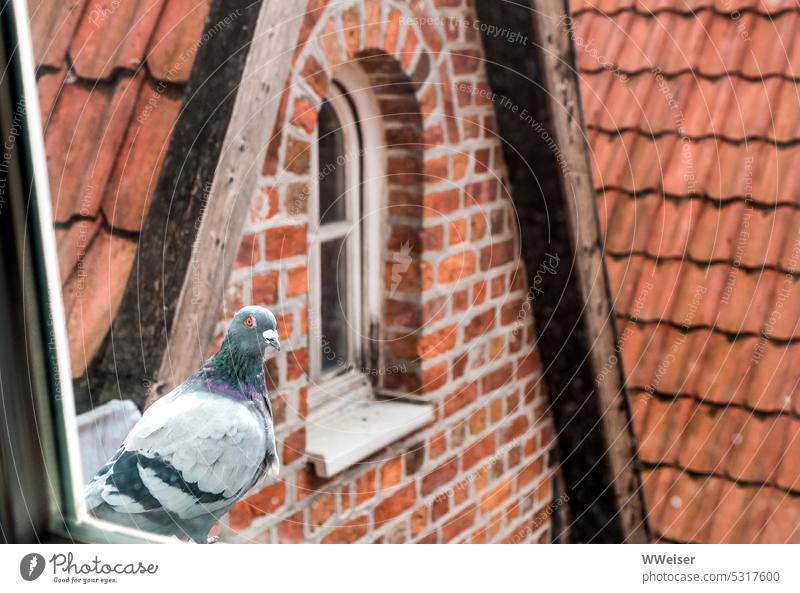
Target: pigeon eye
(250, 322)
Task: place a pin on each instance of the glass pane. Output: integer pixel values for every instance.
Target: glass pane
(332, 166)
(333, 308)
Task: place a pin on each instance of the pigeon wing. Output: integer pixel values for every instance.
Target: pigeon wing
(191, 454)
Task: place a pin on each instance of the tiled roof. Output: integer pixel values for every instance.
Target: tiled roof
(693, 113)
(111, 80)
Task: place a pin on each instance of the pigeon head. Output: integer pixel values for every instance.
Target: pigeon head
(252, 331)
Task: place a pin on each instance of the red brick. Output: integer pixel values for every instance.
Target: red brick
(498, 286)
(514, 311)
(394, 505)
(497, 254)
(481, 192)
(349, 532)
(240, 516)
(460, 398)
(457, 267)
(434, 377)
(438, 203)
(372, 23)
(497, 378)
(286, 241)
(392, 31)
(437, 342)
(296, 363)
(496, 410)
(307, 483)
(268, 499)
(294, 446)
(315, 76)
(321, 510)
(458, 524)
(403, 380)
(265, 288)
(482, 157)
(365, 486)
(479, 325)
(460, 365)
(514, 429)
(437, 444)
(431, 538)
(460, 300)
(530, 472)
(457, 231)
(329, 44)
(434, 309)
(437, 169)
(267, 206)
(297, 281)
(440, 476)
(497, 347)
(302, 401)
(290, 530)
(248, 253)
(414, 276)
(477, 421)
(440, 507)
(479, 293)
(391, 472)
(297, 199)
(408, 53)
(496, 496)
(305, 115)
(402, 313)
(403, 170)
(460, 160)
(529, 365)
(351, 26)
(298, 156)
(418, 521)
(478, 451)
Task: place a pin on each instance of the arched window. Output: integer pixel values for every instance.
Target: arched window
(347, 235)
(347, 195)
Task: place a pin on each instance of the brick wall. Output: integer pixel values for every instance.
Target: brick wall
(458, 324)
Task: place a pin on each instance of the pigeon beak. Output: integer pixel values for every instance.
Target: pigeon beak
(271, 338)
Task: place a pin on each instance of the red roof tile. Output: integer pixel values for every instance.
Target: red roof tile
(692, 115)
(111, 82)
(92, 295)
(53, 24)
(113, 35)
(82, 140)
(175, 43)
(133, 180)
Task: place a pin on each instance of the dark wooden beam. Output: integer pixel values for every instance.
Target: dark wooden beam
(195, 217)
(531, 73)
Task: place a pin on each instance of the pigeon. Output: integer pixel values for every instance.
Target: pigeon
(201, 447)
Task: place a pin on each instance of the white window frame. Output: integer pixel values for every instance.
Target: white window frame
(347, 422)
(356, 107)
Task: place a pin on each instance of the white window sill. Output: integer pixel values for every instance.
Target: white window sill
(357, 430)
